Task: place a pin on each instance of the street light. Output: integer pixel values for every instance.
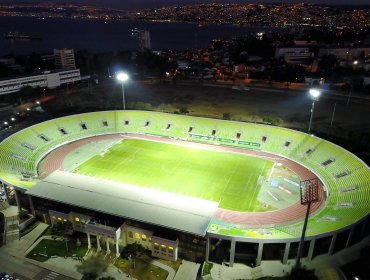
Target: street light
(315, 93)
(122, 77)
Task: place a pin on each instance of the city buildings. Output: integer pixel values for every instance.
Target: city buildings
(145, 42)
(345, 52)
(277, 15)
(64, 59)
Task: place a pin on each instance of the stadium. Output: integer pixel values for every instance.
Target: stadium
(201, 189)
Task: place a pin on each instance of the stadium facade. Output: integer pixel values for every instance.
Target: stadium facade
(194, 229)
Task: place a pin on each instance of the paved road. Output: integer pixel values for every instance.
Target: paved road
(13, 262)
(11, 265)
(25, 270)
(50, 275)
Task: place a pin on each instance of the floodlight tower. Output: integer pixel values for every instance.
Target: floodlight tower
(309, 190)
(122, 77)
(315, 94)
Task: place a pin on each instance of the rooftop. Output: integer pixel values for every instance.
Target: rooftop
(169, 210)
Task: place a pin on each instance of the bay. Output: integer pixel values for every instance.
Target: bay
(98, 36)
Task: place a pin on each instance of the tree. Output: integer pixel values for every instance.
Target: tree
(183, 110)
(62, 229)
(93, 267)
(131, 251)
(328, 63)
(226, 116)
(89, 276)
(149, 63)
(271, 120)
(5, 71)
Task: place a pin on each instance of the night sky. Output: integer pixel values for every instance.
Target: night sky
(135, 4)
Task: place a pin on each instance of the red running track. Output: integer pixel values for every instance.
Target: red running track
(54, 161)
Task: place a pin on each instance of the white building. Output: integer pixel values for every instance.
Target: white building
(162, 246)
(293, 55)
(298, 57)
(165, 247)
(47, 79)
(64, 59)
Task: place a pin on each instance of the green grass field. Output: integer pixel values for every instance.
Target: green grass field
(207, 174)
(48, 247)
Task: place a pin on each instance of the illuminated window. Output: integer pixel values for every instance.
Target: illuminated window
(170, 250)
(54, 218)
(156, 246)
(59, 219)
(130, 235)
(137, 235)
(143, 237)
(163, 248)
(77, 219)
(64, 220)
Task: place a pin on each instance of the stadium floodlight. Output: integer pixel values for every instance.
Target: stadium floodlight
(315, 94)
(122, 77)
(309, 192)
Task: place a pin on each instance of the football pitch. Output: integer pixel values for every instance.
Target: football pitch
(232, 179)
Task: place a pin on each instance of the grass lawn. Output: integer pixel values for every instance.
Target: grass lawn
(143, 270)
(207, 174)
(56, 248)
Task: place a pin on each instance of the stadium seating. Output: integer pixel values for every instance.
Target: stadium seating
(346, 178)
